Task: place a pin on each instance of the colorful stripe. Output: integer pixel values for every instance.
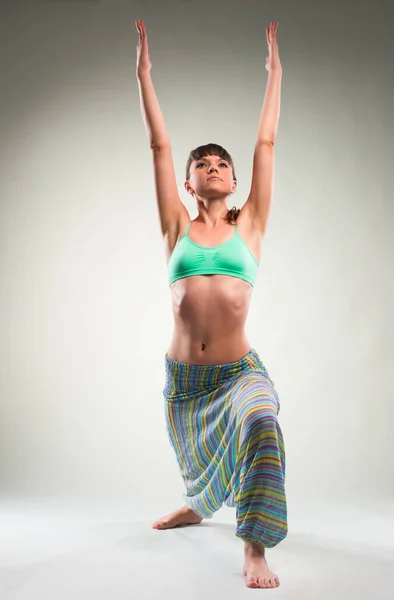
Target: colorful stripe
(222, 424)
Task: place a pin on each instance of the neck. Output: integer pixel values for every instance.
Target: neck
(212, 213)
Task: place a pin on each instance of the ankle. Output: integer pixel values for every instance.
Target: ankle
(253, 548)
(187, 509)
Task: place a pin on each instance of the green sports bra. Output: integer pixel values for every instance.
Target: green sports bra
(232, 258)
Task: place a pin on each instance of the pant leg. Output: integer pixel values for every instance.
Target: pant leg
(204, 442)
(259, 492)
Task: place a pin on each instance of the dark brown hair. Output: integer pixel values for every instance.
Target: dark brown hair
(214, 150)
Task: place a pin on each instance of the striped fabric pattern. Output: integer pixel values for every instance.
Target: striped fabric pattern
(222, 424)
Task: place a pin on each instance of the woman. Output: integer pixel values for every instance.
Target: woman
(220, 404)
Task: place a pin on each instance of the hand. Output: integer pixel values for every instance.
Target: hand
(144, 64)
(272, 61)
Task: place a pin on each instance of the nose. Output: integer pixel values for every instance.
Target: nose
(212, 167)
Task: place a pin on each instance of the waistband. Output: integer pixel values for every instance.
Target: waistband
(187, 377)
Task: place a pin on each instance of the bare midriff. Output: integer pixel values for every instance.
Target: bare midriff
(210, 313)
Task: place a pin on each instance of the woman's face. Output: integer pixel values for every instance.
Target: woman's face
(210, 176)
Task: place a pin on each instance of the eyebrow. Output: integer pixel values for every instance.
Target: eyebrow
(219, 159)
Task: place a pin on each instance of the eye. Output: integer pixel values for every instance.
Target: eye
(225, 164)
(199, 165)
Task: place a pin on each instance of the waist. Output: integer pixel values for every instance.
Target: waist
(207, 350)
(185, 380)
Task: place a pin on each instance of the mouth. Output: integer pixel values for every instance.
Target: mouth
(210, 178)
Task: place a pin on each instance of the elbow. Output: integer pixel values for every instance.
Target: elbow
(266, 141)
(159, 145)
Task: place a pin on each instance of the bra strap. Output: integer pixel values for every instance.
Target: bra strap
(188, 227)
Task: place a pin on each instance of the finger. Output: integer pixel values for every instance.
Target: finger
(273, 28)
(267, 33)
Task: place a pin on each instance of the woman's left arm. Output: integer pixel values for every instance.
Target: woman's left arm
(260, 196)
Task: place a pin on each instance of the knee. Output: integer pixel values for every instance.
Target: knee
(260, 421)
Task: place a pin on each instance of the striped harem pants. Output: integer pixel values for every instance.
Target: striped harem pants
(222, 424)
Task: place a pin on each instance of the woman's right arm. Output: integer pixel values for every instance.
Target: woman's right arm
(169, 202)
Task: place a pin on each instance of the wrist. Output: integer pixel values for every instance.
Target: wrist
(276, 71)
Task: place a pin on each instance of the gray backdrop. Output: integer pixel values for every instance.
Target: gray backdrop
(85, 313)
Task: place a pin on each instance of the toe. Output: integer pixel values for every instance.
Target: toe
(252, 582)
(263, 582)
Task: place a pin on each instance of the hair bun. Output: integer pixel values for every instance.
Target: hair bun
(232, 215)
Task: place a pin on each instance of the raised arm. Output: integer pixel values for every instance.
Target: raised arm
(169, 203)
(261, 190)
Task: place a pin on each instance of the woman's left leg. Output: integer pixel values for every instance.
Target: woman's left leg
(259, 493)
(259, 475)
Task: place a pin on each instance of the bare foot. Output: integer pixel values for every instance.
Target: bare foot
(256, 569)
(182, 516)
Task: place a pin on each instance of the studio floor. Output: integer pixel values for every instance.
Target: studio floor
(48, 551)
